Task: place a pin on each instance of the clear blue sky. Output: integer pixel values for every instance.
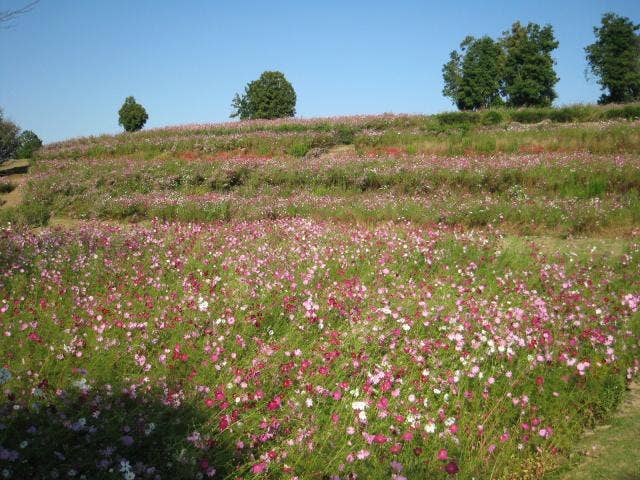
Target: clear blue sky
(66, 67)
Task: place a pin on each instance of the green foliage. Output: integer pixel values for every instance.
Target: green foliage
(530, 115)
(472, 78)
(345, 134)
(28, 143)
(630, 112)
(34, 214)
(614, 58)
(575, 113)
(518, 68)
(226, 179)
(299, 149)
(492, 117)
(458, 118)
(8, 138)
(270, 96)
(132, 115)
(529, 76)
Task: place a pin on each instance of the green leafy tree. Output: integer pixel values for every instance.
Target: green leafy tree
(614, 58)
(28, 143)
(473, 77)
(270, 96)
(132, 115)
(529, 75)
(8, 138)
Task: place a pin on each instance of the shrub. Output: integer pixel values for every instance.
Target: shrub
(629, 112)
(569, 114)
(132, 115)
(491, 117)
(28, 143)
(457, 118)
(530, 115)
(345, 134)
(8, 138)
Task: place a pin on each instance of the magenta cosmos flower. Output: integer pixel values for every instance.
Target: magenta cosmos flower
(451, 468)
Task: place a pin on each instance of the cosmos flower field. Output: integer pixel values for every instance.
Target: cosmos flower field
(315, 347)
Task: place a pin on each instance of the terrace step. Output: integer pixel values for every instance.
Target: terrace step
(15, 172)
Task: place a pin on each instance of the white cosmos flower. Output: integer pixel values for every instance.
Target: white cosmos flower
(203, 305)
(359, 405)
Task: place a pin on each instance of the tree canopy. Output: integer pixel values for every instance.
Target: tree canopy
(28, 143)
(517, 69)
(132, 115)
(529, 76)
(8, 138)
(472, 78)
(270, 96)
(614, 58)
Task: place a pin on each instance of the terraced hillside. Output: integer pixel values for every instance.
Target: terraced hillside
(453, 296)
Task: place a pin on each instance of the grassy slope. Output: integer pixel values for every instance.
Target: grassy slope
(554, 178)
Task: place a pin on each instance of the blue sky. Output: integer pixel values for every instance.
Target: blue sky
(66, 67)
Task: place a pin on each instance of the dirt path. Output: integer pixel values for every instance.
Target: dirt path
(611, 451)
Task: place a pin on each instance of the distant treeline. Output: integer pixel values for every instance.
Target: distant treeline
(517, 69)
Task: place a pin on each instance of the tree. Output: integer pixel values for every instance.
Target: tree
(614, 59)
(8, 138)
(270, 96)
(132, 115)
(28, 143)
(529, 76)
(473, 78)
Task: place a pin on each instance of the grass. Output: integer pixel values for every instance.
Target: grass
(603, 138)
(345, 130)
(565, 194)
(609, 451)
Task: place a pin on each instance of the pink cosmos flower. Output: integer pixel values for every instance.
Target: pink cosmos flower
(363, 454)
(379, 438)
(546, 432)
